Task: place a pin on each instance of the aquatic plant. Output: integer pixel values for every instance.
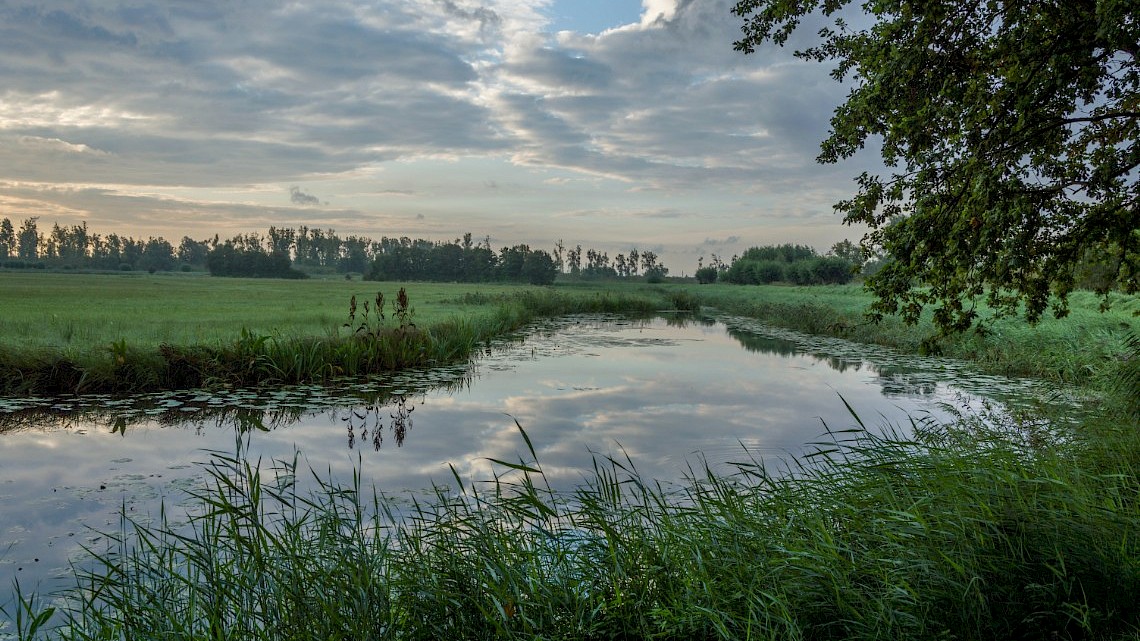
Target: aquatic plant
(962, 530)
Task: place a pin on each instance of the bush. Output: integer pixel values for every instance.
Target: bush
(801, 273)
(833, 270)
(706, 275)
(767, 271)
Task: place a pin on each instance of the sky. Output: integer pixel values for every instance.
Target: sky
(610, 124)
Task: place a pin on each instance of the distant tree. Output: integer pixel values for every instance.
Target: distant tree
(192, 252)
(76, 243)
(539, 268)
(706, 275)
(764, 272)
(236, 257)
(1012, 134)
(132, 251)
(649, 264)
(281, 239)
(157, 255)
(833, 270)
(574, 259)
(848, 251)
(798, 264)
(7, 239)
(511, 261)
(559, 254)
(621, 266)
(28, 240)
(354, 254)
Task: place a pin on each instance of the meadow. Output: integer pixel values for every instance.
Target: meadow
(69, 333)
(1020, 529)
(79, 312)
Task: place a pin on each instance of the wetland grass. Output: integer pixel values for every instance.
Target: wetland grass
(958, 531)
(1089, 348)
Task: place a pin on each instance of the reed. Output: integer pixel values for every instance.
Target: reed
(962, 530)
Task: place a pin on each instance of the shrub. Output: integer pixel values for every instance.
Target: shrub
(832, 270)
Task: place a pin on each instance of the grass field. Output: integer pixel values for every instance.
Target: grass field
(1087, 347)
(67, 333)
(82, 311)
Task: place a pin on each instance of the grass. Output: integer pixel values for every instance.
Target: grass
(76, 312)
(101, 333)
(960, 531)
(1089, 348)
(58, 322)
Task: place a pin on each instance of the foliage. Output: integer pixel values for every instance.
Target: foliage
(962, 530)
(1089, 348)
(407, 259)
(1129, 381)
(796, 264)
(250, 262)
(1011, 130)
(706, 275)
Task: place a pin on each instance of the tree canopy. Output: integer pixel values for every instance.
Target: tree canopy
(1010, 134)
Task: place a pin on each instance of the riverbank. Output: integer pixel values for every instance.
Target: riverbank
(69, 334)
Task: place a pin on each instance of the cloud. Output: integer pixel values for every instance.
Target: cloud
(229, 102)
(713, 242)
(299, 197)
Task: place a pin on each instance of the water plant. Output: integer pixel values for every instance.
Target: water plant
(961, 530)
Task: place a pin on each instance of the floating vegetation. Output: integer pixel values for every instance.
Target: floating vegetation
(263, 408)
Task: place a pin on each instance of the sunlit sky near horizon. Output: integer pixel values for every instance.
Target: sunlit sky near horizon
(606, 123)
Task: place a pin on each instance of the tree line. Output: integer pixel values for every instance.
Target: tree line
(76, 247)
(459, 261)
(288, 252)
(598, 265)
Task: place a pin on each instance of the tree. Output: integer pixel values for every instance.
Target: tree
(7, 238)
(28, 240)
(706, 275)
(1011, 134)
(157, 255)
(193, 252)
(539, 268)
(848, 251)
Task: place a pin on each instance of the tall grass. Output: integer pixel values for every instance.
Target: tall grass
(380, 344)
(959, 531)
(1088, 348)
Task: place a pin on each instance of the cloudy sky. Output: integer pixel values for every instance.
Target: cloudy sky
(605, 123)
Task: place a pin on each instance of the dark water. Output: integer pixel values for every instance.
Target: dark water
(665, 392)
